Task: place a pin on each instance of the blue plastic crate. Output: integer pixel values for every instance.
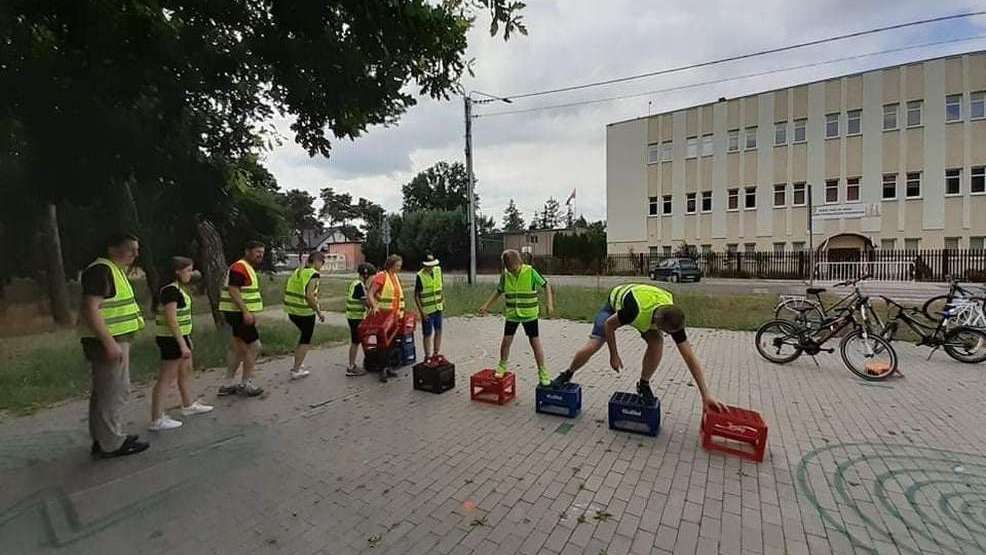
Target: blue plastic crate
(564, 400)
(627, 412)
(408, 354)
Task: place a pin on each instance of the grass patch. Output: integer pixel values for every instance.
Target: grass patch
(43, 369)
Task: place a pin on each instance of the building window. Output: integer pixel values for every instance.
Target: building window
(667, 151)
(780, 194)
(852, 189)
(706, 201)
(890, 117)
(691, 147)
(977, 243)
(977, 105)
(977, 185)
(780, 133)
(953, 182)
(733, 140)
(690, 203)
(751, 138)
(831, 191)
(889, 186)
(953, 107)
(731, 248)
(666, 205)
(708, 145)
(912, 244)
(653, 153)
(798, 194)
(652, 206)
(888, 244)
(706, 249)
(800, 130)
(831, 125)
(750, 198)
(952, 243)
(914, 113)
(854, 122)
(750, 248)
(913, 186)
(797, 246)
(733, 202)
(779, 248)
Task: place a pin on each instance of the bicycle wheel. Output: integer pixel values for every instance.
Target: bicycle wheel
(966, 344)
(778, 342)
(870, 357)
(934, 308)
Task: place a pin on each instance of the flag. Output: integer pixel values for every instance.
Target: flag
(571, 197)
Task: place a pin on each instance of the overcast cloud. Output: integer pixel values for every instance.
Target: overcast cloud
(531, 156)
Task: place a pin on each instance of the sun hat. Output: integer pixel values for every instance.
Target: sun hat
(430, 260)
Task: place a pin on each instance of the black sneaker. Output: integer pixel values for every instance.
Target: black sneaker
(383, 376)
(225, 390)
(562, 379)
(131, 446)
(250, 390)
(646, 395)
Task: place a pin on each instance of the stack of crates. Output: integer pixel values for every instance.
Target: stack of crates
(377, 334)
(405, 339)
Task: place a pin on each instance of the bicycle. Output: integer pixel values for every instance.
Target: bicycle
(864, 353)
(967, 305)
(963, 343)
(801, 308)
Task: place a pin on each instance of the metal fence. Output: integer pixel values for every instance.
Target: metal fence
(886, 265)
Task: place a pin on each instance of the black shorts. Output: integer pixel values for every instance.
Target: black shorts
(168, 345)
(246, 333)
(353, 330)
(530, 327)
(307, 326)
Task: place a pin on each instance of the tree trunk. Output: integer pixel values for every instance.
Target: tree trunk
(54, 267)
(212, 263)
(146, 260)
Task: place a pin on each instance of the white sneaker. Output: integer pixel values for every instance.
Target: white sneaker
(164, 423)
(196, 408)
(301, 373)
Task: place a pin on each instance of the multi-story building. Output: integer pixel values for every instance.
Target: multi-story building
(894, 158)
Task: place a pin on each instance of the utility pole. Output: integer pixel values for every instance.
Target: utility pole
(811, 239)
(467, 101)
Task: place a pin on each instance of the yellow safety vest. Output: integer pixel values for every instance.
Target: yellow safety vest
(355, 308)
(391, 289)
(120, 313)
(184, 315)
(295, 301)
(522, 297)
(250, 294)
(649, 299)
(431, 291)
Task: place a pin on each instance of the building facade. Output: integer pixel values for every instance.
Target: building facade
(536, 242)
(894, 159)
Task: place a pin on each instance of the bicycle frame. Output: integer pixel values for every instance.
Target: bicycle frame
(930, 335)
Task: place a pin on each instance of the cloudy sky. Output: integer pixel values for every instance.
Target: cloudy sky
(532, 155)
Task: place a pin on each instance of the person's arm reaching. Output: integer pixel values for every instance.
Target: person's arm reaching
(609, 328)
(90, 314)
(371, 297)
(695, 367)
(311, 292)
(551, 298)
(493, 298)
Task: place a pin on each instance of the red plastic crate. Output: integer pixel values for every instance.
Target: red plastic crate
(736, 426)
(378, 331)
(484, 386)
(408, 323)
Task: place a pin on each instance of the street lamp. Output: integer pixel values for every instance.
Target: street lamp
(468, 101)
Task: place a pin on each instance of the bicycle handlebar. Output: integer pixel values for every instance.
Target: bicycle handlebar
(852, 282)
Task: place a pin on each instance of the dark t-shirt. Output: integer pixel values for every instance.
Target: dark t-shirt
(630, 311)
(418, 288)
(97, 281)
(359, 292)
(171, 294)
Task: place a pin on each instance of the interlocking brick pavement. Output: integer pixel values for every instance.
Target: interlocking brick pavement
(349, 465)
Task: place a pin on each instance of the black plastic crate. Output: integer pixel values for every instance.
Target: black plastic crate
(378, 359)
(435, 379)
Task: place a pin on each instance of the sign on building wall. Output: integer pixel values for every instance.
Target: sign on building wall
(837, 211)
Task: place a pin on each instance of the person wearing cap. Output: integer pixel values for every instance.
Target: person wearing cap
(428, 297)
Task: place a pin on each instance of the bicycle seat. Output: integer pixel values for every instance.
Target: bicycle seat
(815, 290)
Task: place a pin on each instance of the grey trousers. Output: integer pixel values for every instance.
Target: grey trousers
(110, 393)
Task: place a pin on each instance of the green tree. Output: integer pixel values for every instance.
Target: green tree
(300, 212)
(512, 219)
(550, 214)
(337, 208)
(443, 186)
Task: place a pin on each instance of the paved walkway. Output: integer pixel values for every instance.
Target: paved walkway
(349, 465)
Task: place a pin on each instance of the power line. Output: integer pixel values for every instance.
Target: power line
(743, 56)
(725, 79)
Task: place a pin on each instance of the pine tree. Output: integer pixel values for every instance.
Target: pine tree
(551, 214)
(536, 221)
(512, 220)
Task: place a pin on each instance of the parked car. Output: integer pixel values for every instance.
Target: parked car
(676, 269)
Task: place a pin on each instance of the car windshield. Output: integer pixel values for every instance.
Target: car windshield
(687, 263)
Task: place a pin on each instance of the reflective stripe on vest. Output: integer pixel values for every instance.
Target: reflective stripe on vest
(184, 315)
(431, 291)
(391, 289)
(120, 313)
(649, 299)
(521, 296)
(295, 301)
(250, 294)
(355, 308)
